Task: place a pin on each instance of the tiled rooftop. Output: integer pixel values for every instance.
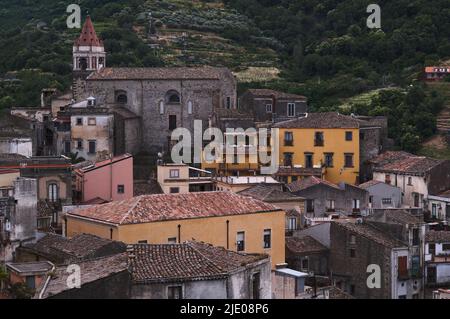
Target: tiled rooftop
(172, 73)
(277, 94)
(91, 270)
(30, 267)
(308, 182)
(185, 262)
(269, 193)
(370, 184)
(321, 120)
(304, 245)
(404, 162)
(371, 233)
(434, 236)
(79, 247)
(153, 208)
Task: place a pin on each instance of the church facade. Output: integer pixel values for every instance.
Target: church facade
(159, 100)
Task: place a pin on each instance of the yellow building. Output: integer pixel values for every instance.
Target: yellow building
(223, 219)
(318, 141)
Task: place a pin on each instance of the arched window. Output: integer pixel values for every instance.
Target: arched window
(173, 97)
(161, 107)
(83, 64)
(53, 195)
(190, 107)
(121, 97)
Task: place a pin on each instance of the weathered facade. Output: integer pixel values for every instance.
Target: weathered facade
(18, 217)
(417, 176)
(324, 198)
(195, 270)
(269, 105)
(382, 195)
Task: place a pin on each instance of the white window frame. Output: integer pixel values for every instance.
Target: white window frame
(174, 173)
(269, 108)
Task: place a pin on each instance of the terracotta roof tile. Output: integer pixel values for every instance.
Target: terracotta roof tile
(277, 94)
(88, 36)
(152, 208)
(304, 245)
(321, 120)
(187, 261)
(404, 162)
(434, 236)
(371, 233)
(269, 193)
(308, 182)
(169, 73)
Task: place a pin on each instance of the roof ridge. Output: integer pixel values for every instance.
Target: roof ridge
(130, 210)
(190, 244)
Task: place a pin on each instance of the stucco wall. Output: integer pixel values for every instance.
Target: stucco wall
(209, 230)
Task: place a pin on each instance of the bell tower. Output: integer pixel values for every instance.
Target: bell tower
(88, 56)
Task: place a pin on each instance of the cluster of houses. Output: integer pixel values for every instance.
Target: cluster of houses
(340, 203)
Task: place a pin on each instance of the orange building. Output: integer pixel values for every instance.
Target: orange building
(224, 219)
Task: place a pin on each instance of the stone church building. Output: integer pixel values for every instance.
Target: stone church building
(148, 103)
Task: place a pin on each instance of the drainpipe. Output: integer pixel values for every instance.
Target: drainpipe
(228, 234)
(41, 294)
(111, 177)
(179, 234)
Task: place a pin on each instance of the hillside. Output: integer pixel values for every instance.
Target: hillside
(321, 49)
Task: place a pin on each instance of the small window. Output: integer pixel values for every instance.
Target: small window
(349, 136)
(310, 205)
(121, 189)
(79, 121)
(142, 242)
(432, 248)
(318, 139)
(349, 160)
(92, 121)
(173, 98)
(387, 179)
(330, 205)
(240, 241)
(409, 181)
(92, 147)
(446, 247)
(329, 161)
(175, 292)
(292, 223)
(30, 282)
(174, 190)
(53, 192)
(172, 122)
(291, 109)
(267, 239)
(172, 241)
(309, 160)
(161, 107)
(79, 144)
(352, 253)
(387, 201)
(122, 98)
(288, 139)
(190, 108)
(67, 146)
(174, 173)
(268, 108)
(356, 204)
(229, 102)
(305, 264)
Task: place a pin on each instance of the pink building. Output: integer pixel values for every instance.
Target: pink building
(107, 180)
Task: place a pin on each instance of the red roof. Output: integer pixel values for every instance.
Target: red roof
(88, 35)
(154, 208)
